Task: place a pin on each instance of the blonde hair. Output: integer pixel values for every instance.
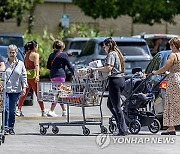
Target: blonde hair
(113, 47)
(175, 41)
(58, 45)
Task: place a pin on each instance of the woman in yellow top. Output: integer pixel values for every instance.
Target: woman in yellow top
(31, 62)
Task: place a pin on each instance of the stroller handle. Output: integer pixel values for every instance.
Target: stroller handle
(149, 75)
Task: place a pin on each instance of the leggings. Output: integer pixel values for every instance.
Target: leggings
(31, 84)
(116, 85)
(56, 81)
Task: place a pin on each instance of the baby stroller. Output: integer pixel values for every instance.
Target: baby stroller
(138, 105)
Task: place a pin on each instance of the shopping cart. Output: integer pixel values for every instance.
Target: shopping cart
(2, 106)
(82, 92)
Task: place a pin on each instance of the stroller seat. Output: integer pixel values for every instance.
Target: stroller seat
(139, 100)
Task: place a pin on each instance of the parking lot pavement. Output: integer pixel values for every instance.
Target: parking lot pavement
(71, 140)
(33, 112)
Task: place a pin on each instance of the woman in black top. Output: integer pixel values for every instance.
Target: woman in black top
(57, 62)
(115, 67)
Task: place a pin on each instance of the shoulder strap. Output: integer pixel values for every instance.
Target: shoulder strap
(176, 56)
(12, 72)
(55, 58)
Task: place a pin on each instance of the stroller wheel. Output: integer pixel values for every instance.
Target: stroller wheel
(112, 127)
(134, 126)
(155, 126)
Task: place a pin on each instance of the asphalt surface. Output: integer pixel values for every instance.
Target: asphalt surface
(71, 140)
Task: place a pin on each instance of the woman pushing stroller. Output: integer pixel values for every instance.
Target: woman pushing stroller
(115, 66)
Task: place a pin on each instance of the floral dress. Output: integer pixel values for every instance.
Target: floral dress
(171, 115)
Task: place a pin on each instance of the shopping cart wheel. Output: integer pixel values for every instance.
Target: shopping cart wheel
(104, 130)
(155, 126)
(43, 130)
(134, 126)
(55, 129)
(112, 127)
(86, 131)
(3, 139)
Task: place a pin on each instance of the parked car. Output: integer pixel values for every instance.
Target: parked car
(157, 42)
(136, 53)
(73, 47)
(157, 62)
(12, 38)
(3, 52)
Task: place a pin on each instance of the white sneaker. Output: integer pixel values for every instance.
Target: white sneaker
(51, 114)
(63, 113)
(19, 113)
(43, 114)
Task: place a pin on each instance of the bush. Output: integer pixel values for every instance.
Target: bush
(46, 40)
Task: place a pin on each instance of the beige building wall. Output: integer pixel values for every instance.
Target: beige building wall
(48, 15)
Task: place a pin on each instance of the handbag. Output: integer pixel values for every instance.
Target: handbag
(31, 73)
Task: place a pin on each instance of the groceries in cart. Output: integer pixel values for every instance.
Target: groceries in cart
(83, 72)
(82, 93)
(69, 93)
(98, 75)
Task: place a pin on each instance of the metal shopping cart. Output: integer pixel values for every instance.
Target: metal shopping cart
(83, 93)
(2, 106)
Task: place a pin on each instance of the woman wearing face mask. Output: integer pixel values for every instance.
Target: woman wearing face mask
(16, 84)
(115, 66)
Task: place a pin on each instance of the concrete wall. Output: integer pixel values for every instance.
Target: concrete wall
(48, 16)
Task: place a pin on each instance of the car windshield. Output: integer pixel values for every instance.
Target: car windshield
(77, 45)
(130, 49)
(157, 44)
(133, 48)
(5, 41)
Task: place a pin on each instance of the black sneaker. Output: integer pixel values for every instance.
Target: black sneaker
(11, 131)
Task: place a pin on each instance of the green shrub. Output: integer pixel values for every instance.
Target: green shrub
(46, 40)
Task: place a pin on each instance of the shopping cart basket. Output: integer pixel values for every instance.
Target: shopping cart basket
(80, 93)
(2, 106)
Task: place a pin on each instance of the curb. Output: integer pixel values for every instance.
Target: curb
(58, 118)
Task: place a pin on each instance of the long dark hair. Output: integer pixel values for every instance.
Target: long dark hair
(113, 47)
(30, 45)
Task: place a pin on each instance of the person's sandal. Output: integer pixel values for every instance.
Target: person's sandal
(169, 133)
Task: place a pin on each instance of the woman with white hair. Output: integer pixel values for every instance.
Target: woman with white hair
(16, 84)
